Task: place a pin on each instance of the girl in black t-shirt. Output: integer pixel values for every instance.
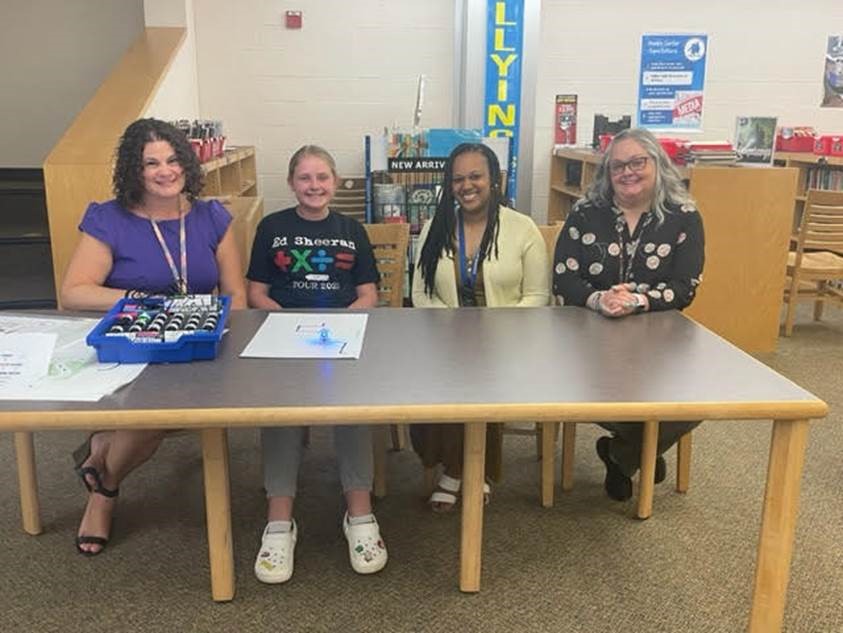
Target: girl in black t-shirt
(311, 257)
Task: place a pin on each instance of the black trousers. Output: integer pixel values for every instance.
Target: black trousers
(627, 438)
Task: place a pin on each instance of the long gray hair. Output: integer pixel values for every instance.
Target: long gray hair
(669, 187)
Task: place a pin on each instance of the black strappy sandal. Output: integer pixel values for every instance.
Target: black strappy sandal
(102, 541)
(80, 456)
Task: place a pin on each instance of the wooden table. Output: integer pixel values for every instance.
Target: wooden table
(473, 366)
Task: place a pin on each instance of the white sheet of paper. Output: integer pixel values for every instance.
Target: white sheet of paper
(302, 335)
(74, 373)
(24, 358)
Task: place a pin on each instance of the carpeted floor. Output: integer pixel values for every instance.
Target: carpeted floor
(584, 565)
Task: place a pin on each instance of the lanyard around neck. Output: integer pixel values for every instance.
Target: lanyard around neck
(626, 259)
(180, 279)
(468, 279)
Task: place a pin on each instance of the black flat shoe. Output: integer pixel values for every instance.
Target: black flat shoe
(617, 485)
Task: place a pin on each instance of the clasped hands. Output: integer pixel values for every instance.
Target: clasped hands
(620, 300)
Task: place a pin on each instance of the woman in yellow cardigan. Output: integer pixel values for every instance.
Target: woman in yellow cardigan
(474, 252)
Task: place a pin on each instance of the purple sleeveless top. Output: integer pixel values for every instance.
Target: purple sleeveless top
(138, 261)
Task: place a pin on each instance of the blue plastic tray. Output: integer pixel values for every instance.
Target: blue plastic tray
(197, 345)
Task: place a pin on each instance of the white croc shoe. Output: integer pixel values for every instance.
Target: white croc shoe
(274, 563)
(366, 549)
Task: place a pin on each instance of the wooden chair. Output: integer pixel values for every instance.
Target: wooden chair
(549, 431)
(350, 198)
(815, 268)
(549, 233)
(389, 243)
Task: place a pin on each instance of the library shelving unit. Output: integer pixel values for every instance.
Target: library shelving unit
(232, 179)
(814, 172)
(232, 174)
(748, 218)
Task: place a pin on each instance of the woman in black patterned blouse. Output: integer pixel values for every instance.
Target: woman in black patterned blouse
(633, 244)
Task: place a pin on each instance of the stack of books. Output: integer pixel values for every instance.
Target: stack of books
(711, 153)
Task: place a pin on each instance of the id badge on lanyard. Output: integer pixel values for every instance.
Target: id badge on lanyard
(179, 279)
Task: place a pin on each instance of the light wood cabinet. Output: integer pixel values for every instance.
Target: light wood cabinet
(747, 216)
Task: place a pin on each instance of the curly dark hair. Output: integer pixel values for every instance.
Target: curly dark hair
(441, 235)
(128, 168)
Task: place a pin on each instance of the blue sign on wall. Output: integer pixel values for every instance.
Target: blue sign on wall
(502, 105)
(670, 88)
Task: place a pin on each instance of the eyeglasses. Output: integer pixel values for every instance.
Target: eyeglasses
(617, 167)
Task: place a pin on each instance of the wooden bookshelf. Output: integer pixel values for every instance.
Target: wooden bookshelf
(232, 174)
(748, 216)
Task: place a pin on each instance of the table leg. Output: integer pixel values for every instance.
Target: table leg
(218, 513)
(474, 462)
(380, 438)
(647, 471)
(569, 438)
(399, 436)
(548, 437)
(28, 483)
(778, 524)
(683, 463)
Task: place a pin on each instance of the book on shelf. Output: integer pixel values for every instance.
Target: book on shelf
(565, 121)
(573, 173)
(421, 204)
(755, 138)
(711, 153)
(826, 178)
(389, 202)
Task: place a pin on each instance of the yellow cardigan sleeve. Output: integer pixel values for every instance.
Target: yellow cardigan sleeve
(535, 288)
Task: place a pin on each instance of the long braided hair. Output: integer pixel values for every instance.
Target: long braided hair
(441, 236)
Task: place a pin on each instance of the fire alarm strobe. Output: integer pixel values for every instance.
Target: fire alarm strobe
(292, 19)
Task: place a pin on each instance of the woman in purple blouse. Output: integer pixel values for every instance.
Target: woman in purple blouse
(154, 237)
